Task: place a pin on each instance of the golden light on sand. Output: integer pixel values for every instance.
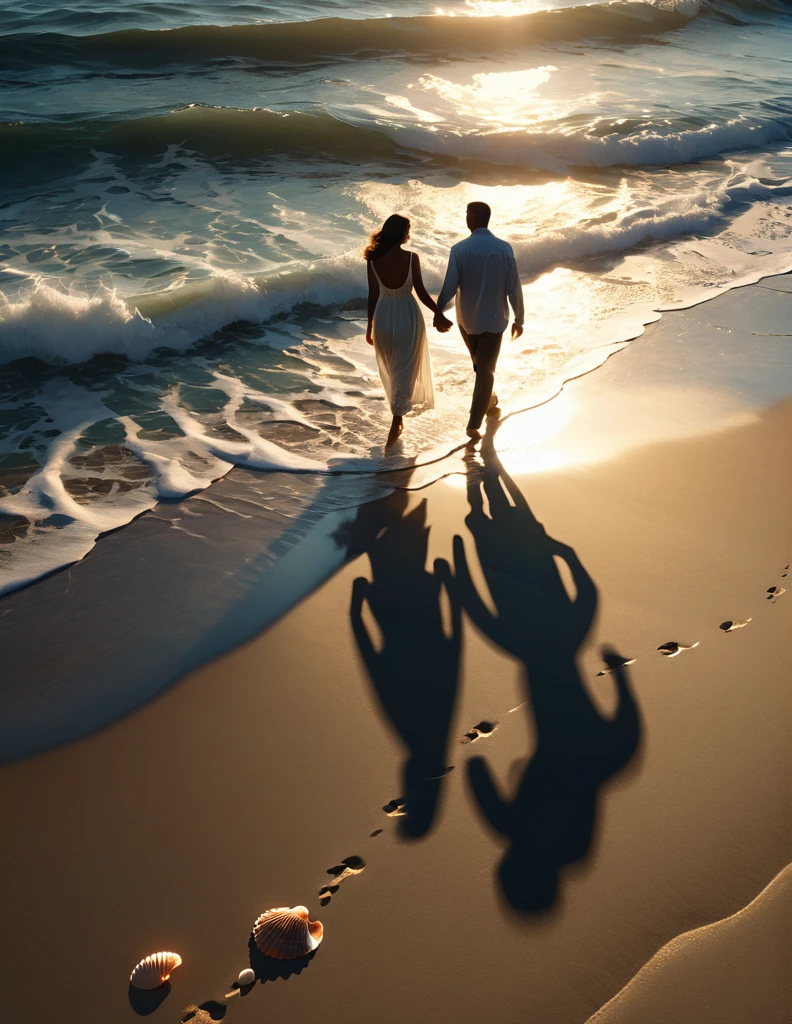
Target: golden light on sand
(566, 432)
(525, 446)
(524, 442)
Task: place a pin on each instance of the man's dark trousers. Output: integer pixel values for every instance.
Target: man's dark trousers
(484, 350)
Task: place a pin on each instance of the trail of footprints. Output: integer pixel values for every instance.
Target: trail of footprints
(354, 865)
(672, 648)
(349, 866)
(206, 1012)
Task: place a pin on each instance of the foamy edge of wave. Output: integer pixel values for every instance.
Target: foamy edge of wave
(48, 323)
(556, 151)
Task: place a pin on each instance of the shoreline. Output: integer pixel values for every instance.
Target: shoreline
(200, 547)
(242, 784)
(85, 534)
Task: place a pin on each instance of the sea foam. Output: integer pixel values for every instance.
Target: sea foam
(53, 325)
(558, 151)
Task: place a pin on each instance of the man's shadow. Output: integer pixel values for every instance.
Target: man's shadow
(550, 820)
(413, 663)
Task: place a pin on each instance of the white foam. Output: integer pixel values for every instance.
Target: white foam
(558, 151)
(62, 529)
(56, 325)
(695, 212)
(255, 452)
(59, 327)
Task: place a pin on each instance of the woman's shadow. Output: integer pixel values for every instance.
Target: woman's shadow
(550, 820)
(410, 653)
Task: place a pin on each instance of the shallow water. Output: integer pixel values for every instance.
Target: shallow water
(183, 213)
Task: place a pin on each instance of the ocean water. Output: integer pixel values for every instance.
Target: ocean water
(186, 188)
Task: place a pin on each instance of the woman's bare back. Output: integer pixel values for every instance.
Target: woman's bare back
(393, 267)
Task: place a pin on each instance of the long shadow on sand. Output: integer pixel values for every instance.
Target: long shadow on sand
(145, 1002)
(266, 969)
(550, 820)
(413, 663)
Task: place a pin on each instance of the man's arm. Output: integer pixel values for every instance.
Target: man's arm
(450, 285)
(514, 291)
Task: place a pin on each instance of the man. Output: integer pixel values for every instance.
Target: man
(482, 274)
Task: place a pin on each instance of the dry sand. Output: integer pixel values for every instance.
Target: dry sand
(599, 821)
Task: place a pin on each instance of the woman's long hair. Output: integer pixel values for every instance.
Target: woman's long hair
(391, 233)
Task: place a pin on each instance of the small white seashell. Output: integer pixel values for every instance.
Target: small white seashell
(285, 933)
(246, 977)
(154, 970)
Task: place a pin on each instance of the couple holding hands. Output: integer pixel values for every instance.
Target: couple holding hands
(482, 276)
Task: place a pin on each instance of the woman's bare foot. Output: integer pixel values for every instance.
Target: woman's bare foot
(396, 428)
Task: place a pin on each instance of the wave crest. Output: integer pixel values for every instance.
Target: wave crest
(52, 325)
(311, 41)
(345, 136)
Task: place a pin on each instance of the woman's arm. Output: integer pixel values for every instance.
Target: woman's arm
(420, 289)
(373, 296)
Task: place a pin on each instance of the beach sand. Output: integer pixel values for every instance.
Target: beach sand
(608, 813)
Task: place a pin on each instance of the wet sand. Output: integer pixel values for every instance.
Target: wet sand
(605, 816)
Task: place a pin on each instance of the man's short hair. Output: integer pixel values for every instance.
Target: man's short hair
(480, 211)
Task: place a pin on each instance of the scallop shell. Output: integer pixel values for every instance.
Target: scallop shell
(154, 970)
(285, 933)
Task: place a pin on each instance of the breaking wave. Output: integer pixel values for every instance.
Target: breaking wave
(222, 132)
(557, 151)
(57, 326)
(313, 40)
(307, 42)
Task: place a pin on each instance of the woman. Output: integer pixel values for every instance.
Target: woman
(395, 323)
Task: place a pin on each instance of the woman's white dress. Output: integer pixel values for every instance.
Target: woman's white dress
(402, 352)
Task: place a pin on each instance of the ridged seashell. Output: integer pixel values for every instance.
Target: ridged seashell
(246, 977)
(154, 970)
(285, 933)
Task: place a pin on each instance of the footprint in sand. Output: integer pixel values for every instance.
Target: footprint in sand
(376, 832)
(773, 593)
(731, 624)
(395, 808)
(349, 866)
(615, 663)
(326, 893)
(484, 728)
(672, 648)
(205, 1013)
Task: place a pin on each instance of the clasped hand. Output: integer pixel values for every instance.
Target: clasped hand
(442, 323)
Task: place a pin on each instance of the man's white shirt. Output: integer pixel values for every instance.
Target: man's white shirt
(482, 274)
